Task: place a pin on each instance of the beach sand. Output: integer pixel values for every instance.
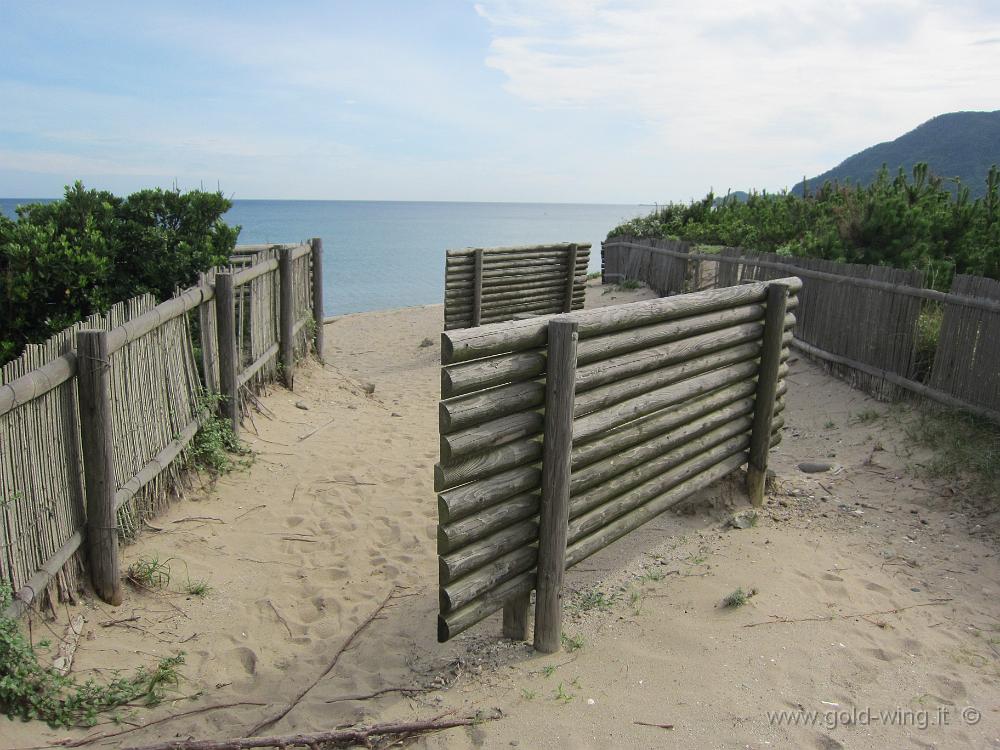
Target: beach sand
(890, 581)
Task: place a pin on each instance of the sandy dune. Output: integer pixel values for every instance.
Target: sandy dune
(896, 583)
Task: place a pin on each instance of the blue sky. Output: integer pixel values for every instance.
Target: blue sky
(507, 100)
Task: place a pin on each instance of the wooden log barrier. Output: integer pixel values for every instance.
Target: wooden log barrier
(477, 287)
(225, 320)
(559, 395)
(97, 437)
(772, 348)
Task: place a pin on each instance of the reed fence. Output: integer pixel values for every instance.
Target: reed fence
(560, 434)
(868, 324)
(95, 423)
(487, 285)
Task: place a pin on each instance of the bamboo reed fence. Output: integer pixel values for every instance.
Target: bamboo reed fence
(486, 285)
(95, 423)
(863, 323)
(560, 434)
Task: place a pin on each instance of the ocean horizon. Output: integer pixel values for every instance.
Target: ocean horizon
(387, 254)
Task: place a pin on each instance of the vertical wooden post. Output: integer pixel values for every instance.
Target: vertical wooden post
(96, 432)
(767, 383)
(570, 278)
(225, 324)
(286, 318)
(515, 617)
(560, 391)
(208, 355)
(317, 292)
(477, 287)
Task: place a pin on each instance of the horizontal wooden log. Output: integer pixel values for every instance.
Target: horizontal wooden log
(156, 465)
(457, 380)
(583, 547)
(466, 411)
(487, 340)
(29, 591)
(538, 262)
(592, 511)
(477, 496)
(458, 593)
(729, 420)
(456, 534)
(490, 435)
(518, 249)
(270, 353)
(482, 465)
(607, 395)
(255, 272)
(659, 423)
(655, 475)
(456, 564)
(463, 618)
(37, 382)
(149, 321)
(618, 368)
(506, 276)
(587, 427)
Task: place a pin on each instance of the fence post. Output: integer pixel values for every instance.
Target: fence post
(225, 324)
(570, 278)
(560, 391)
(515, 617)
(317, 292)
(477, 287)
(767, 383)
(96, 433)
(286, 318)
(208, 355)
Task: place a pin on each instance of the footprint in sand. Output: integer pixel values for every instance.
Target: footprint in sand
(882, 654)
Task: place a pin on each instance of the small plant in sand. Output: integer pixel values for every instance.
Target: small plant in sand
(529, 695)
(149, 573)
(594, 275)
(572, 642)
(215, 444)
(965, 449)
(585, 601)
(829, 424)
(562, 696)
(635, 601)
(629, 284)
(197, 588)
(865, 417)
(29, 690)
(650, 575)
(548, 670)
(738, 598)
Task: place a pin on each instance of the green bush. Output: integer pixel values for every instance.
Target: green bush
(916, 223)
(62, 261)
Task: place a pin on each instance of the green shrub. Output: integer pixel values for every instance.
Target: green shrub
(62, 261)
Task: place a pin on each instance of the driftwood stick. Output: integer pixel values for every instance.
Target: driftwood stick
(295, 701)
(313, 432)
(96, 737)
(365, 696)
(341, 737)
(830, 618)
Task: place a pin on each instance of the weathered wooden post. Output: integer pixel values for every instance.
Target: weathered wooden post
(96, 433)
(560, 391)
(317, 292)
(570, 278)
(286, 317)
(225, 324)
(477, 287)
(208, 342)
(515, 617)
(767, 383)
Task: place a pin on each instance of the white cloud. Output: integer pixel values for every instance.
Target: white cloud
(749, 93)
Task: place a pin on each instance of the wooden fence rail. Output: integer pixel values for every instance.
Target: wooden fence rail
(486, 285)
(559, 434)
(863, 322)
(94, 424)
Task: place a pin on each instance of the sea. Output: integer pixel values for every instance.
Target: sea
(381, 255)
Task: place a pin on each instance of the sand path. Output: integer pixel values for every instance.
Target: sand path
(337, 512)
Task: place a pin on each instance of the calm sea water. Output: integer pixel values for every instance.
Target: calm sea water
(380, 254)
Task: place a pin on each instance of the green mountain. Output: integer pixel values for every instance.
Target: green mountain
(958, 144)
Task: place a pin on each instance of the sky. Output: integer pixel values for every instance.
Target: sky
(629, 101)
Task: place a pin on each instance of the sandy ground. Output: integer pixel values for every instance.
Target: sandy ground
(877, 594)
